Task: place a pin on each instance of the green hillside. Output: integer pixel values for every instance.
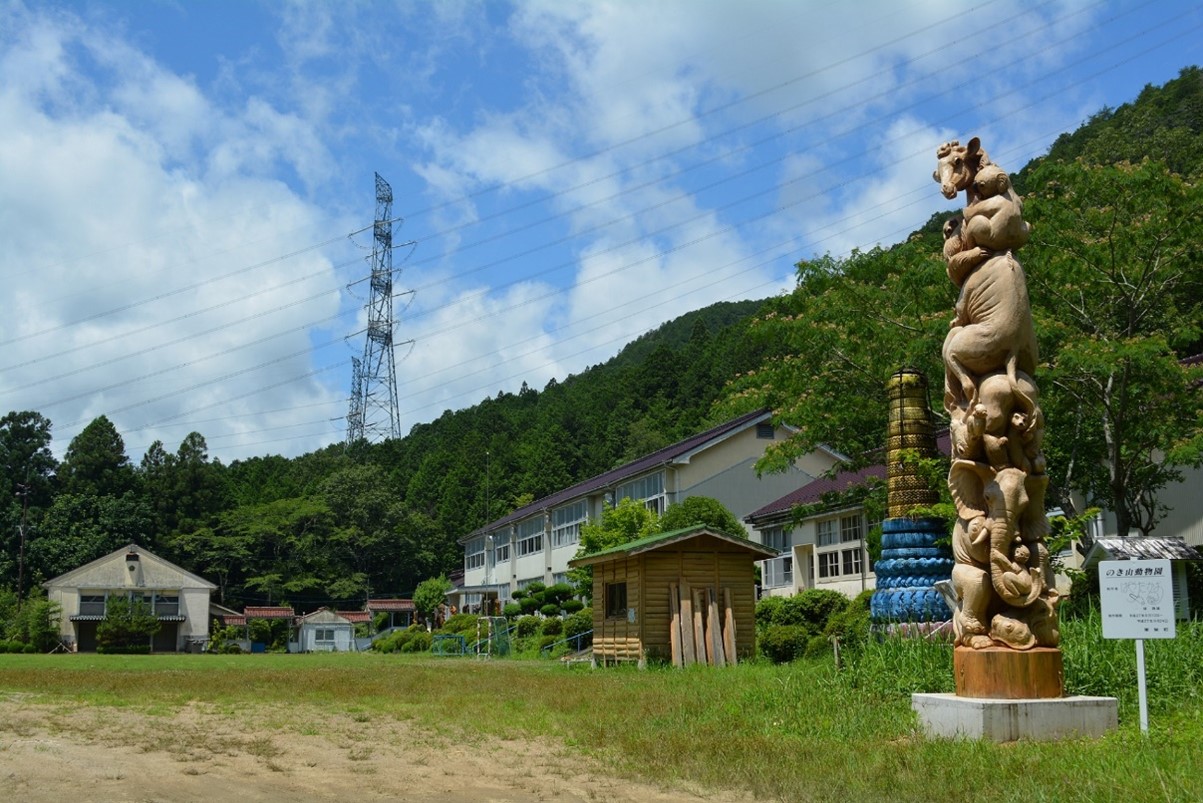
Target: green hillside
(339, 524)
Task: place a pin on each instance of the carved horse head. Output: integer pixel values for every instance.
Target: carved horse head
(957, 165)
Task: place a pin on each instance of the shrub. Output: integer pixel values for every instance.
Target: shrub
(547, 641)
(461, 623)
(783, 643)
(811, 609)
(527, 626)
(767, 611)
(579, 622)
(535, 588)
(126, 625)
(512, 610)
(572, 605)
(851, 625)
(418, 642)
(816, 647)
(552, 627)
(529, 604)
(550, 609)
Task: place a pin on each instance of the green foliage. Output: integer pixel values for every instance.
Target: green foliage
(578, 623)
(810, 610)
(784, 643)
(528, 626)
(33, 623)
(552, 627)
(419, 642)
(572, 605)
(851, 625)
(696, 510)
(128, 626)
(397, 640)
(430, 594)
(620, 524)
(95, 463)
(550, 609)
(511, 610)
(463, 623)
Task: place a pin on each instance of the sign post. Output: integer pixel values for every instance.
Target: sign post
(1137, 597)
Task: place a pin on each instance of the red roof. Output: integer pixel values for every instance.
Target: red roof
(355, 616)
(390, 605)
(240, 621)
(269, 612)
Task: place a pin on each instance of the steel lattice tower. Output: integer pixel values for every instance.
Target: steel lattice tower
(355, 413)
(377, 413)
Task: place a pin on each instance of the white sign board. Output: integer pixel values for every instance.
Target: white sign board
(1137, 598)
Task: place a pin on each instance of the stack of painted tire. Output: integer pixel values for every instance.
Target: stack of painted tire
(911, 564)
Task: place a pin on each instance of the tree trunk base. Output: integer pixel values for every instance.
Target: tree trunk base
(999, 673)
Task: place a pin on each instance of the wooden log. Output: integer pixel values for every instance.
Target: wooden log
(999, 673)
(705, 649)
(674, 625)
(729, 628)
(714, 636)
(689, 655)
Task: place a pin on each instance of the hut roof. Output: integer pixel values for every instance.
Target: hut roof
(1149, 547)
(661, 540)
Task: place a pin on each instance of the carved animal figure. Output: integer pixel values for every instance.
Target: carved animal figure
(997, 332)
(995, 222)
(956, 167)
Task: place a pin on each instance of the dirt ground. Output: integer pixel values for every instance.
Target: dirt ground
(201, 752)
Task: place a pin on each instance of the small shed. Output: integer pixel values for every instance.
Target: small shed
(1150, 547)
(325, 630)
(686, 596)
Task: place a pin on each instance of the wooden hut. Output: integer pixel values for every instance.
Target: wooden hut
(686, 596)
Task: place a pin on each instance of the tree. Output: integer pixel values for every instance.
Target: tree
(79, 528)
(695, 510)
(430, 594)
(1118, 292)
(620, 524)
(95, 463)
(128, 626)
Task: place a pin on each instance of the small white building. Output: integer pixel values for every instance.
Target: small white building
(177, 598)
(325, 631)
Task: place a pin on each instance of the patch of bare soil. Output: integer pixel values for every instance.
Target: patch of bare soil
(206, 753)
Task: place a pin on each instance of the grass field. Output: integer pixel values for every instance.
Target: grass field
(795, 732)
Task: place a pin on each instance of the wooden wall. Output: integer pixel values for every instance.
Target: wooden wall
(617, 639)
(701, 563)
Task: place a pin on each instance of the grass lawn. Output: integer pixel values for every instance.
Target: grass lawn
(792, 732)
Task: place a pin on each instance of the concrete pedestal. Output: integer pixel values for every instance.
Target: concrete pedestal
(950, 716)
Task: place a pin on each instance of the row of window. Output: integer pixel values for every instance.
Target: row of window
(92, 603)
(841, 561)
(850, 529)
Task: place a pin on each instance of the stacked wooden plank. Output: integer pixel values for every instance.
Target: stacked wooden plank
(702, 626)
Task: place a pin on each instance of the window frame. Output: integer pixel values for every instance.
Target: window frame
(615, 597)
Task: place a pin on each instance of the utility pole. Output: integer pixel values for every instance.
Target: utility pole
(23, 492)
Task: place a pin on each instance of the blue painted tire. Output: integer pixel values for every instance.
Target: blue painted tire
(907, 540)
(915, 552)
(913, 525)
(913, 566)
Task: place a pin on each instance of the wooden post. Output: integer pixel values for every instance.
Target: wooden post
(689, 653)
(729, 628)
(715, 635)
(705, 650)
(674, 632)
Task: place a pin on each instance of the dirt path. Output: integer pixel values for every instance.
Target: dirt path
(60, 753)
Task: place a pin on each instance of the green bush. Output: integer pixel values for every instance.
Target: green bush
(578, 623)
(812, 609)
(572, 605)
(512, 610)
(851, 625)
(547, 641)
(528, 626)
(418, 642)
(767, 611)
(461, 623)
(550, 609)
(552, 627)
(783, 643)
(123, 649)
(126, 625)
(535, 588)
(29, 649)
(530, 604)
(816, 647)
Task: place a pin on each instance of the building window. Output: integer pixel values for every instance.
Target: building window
(560, 577)
(765, 431)
(775, 538)
(826, 532)
(649, 490)
(167, 604)
(91, 604)
(474, 554)
(852, 561)
(566, 524)
(530, 536)
(850, 528)
(778, 572)
(501, 548)
(528, 581)
(829, 564)
(324, 634)
(616, 600)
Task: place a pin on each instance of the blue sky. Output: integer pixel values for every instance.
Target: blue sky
(180, 181)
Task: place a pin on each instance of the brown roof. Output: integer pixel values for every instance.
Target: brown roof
(390, 605)
(355, 616)
(269, 612)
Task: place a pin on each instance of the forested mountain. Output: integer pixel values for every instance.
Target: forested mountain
(1115, 277)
